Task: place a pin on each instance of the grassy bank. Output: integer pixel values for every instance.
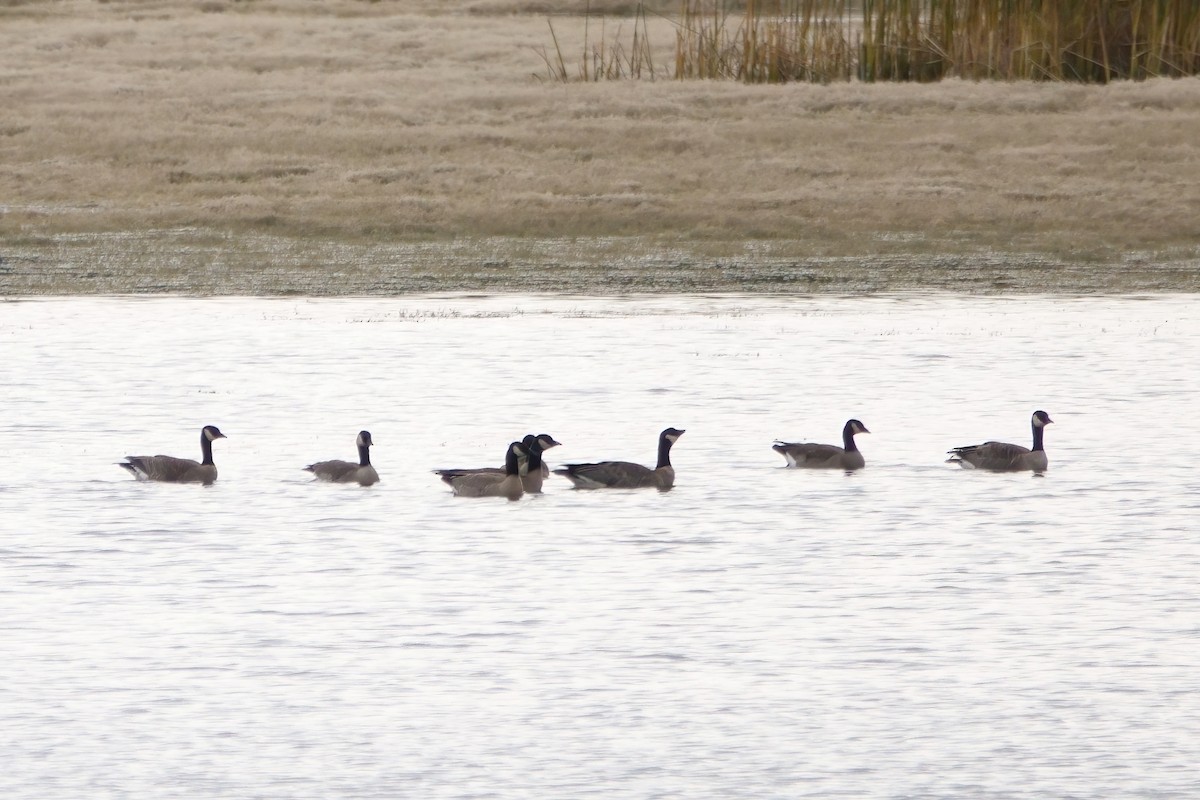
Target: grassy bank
(278, 147)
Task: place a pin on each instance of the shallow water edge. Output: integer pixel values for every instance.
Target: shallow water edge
(191, 262)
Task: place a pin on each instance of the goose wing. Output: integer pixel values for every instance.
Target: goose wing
(456, 473)
(473, 483)
(806, 454)
(994, 456)
(335, 470)
(167, 468)
(608, 474)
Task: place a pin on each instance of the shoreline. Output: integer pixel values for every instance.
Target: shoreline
(182, 262)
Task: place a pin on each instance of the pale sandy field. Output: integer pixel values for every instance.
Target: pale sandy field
(356, 147)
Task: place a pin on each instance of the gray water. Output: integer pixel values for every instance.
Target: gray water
(910, 630)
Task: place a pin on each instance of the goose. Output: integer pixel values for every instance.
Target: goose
(170, 469)
(1005, 457)
(535, 470)
(532, 469)
(626, 474)
(482, 483)
(546, 441)
(805, 455)
(361, 473)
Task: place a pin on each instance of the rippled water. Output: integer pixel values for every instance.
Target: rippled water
(911, 630)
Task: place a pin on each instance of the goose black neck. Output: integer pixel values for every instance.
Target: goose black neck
(364, 455)
(535, 457)
(1037, 437)
(664, 451)
(848, 439)
(511, 463)
(206, 448)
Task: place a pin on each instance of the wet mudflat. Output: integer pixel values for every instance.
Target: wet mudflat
(195, 262)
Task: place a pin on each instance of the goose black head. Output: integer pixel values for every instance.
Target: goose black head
(547, 441)
(672, 434)
(212, 432)
(1041, 419)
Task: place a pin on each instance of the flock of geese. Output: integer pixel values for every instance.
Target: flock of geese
(524, 471)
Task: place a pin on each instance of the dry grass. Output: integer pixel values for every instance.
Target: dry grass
(358, 131)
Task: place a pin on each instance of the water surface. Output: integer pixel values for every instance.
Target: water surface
(911, 630)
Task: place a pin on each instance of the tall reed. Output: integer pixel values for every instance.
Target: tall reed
(1077, 40)
(792, 40)
(604, 58)
(772, 41)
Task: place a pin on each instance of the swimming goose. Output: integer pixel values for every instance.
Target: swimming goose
(1005, 457)
(481, 483)
(546, 441)
(535, 470)
(170, 469)
(532, 469)
(361, 473)
(825, 456)
(626, 474)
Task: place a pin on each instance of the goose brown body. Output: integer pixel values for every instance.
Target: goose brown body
(486, 483)
(1004, 456)
(532, 469)
(362, 472)
(805, 455)
(171, 469)
(626, 474)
